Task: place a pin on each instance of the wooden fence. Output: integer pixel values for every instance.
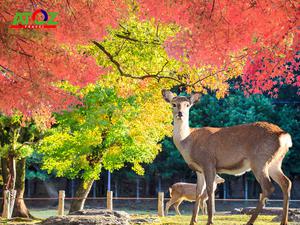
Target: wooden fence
(61, 202)
(7, 205)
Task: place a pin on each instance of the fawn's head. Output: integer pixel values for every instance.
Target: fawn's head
(181, 104)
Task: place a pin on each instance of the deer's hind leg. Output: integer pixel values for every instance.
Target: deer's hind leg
(172, 201)
(285, 184)
(262, 175)
(176, 206)
(203, 205)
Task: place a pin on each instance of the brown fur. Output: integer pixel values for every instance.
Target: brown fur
(187, 192)
(253, 146)
(244, 141)
(259, 147)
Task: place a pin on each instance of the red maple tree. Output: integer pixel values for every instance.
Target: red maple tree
(265, 35)
(262, 34)
(31, 60)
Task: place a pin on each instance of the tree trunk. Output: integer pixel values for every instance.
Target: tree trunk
(82, 192)
(4, 171)
(10, 184)
(11, 181)
(20, 209)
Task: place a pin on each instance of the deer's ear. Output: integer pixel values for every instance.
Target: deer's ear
(168, 95)
(195, 98)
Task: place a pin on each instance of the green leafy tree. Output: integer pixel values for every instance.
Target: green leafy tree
(17, 136)
(106, 131)
(136, 53)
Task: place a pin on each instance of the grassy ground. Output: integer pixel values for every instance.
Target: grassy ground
(218, 220)
(184, 220)
(18, 221)
(170, 220)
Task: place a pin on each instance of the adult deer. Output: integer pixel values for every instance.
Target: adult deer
(259, 147)
(187, 191)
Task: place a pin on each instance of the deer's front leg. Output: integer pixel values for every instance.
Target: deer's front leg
(210, 175)
(199, 191)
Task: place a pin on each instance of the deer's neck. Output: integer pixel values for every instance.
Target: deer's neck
(181, 133)
(181, 130)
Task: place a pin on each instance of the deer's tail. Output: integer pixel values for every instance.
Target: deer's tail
(285, 140)
(170, 190)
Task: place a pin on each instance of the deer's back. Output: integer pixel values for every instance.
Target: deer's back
(232, 149)
(185, 191)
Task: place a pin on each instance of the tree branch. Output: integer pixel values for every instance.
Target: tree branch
(209, 75)
(120, 49)
(5, 71)
(156, 76)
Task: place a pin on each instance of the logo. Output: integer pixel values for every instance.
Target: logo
(29, 20)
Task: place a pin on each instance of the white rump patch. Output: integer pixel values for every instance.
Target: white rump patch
(285, 140)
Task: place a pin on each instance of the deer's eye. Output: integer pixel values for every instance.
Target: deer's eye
(174, 105)
(187, 104)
